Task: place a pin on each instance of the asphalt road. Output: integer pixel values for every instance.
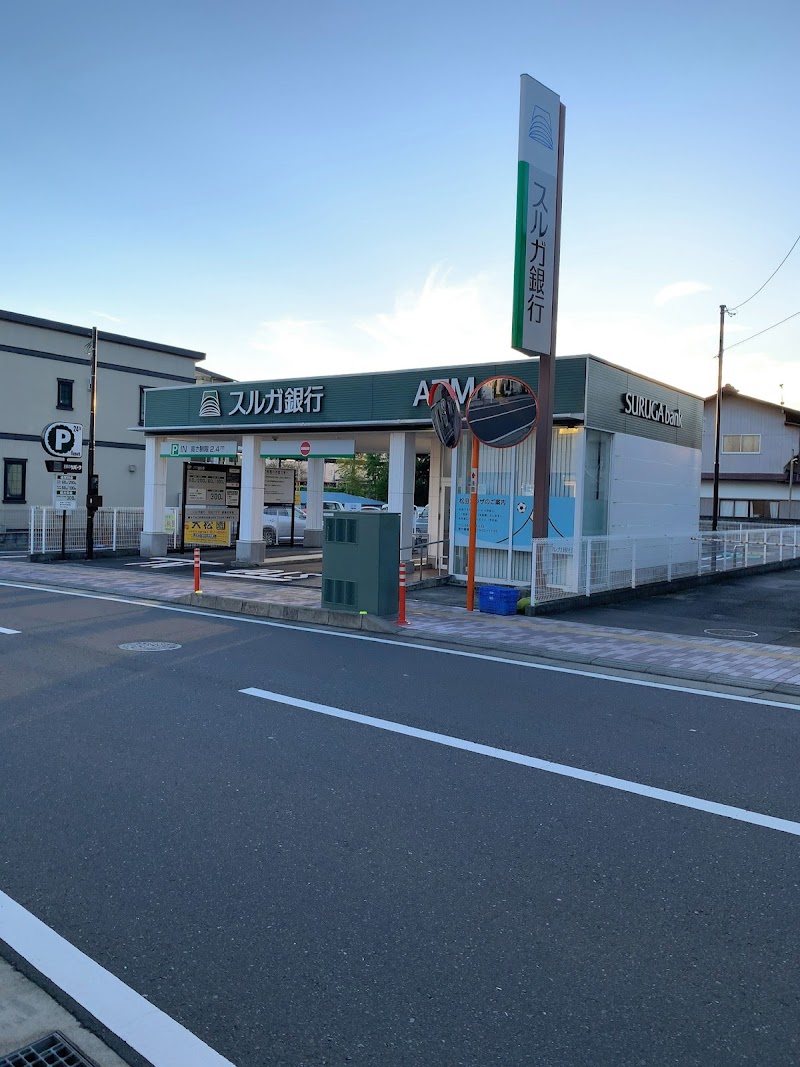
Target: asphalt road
(298, 889)
(763, 608)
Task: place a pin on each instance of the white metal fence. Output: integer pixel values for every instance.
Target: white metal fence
(567, 567)
(115, 529)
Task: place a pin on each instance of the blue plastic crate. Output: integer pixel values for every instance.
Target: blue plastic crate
(498, 599)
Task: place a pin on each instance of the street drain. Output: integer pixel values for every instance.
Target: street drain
(51, 1051)
(147, 646)
(730, 633)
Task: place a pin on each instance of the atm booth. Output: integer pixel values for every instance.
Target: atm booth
(625, 457)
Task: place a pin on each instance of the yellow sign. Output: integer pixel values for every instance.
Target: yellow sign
(206, 532)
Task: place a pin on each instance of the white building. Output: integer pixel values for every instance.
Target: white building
(45, 369)
(757, 442)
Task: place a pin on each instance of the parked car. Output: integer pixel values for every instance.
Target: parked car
(278, 524)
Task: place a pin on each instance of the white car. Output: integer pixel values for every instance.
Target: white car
(278, 524)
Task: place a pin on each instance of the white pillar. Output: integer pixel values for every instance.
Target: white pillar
(315, 489)
(250, 544)
(435, 519)
(402, 453)
(154, 540)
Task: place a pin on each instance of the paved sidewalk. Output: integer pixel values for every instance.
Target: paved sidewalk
(758, 667)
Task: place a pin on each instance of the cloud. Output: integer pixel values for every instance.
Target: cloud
(103, 315)
(442, 322)
(679, 289)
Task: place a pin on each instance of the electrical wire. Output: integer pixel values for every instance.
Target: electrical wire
(772, 327)
(766, 283)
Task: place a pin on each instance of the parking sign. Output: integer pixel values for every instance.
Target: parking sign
(64, 440)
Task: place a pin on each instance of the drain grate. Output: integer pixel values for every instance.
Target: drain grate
(149, 646)
(51, 1051)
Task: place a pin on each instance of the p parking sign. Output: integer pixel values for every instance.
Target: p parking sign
(64, 440)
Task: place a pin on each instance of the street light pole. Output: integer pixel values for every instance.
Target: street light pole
(718, 417)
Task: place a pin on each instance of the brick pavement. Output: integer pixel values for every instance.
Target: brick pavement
(759, 667)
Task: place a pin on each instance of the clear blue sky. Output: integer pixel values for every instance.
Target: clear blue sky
(310, 187)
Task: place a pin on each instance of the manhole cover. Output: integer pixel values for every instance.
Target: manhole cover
(730, 633)
(51, 1051)
(149, 646)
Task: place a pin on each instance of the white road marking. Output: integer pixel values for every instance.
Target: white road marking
(432, 649)
(4, 630)
(666, 796)
(142, 1026)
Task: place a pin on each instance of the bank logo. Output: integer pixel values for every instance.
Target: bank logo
(541, 128)
(209, 404)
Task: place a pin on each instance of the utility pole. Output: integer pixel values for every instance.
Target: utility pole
(718, 416)
(93, 501)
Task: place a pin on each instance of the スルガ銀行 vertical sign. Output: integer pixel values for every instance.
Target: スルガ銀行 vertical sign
(541, 120)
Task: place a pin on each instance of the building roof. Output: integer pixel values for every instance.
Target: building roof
(85, 331)
(791, 415)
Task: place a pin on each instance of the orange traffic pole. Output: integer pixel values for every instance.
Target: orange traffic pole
(197, 568)
(473, 521)
(401, 598)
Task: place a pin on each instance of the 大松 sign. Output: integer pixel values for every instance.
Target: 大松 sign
(653, 410)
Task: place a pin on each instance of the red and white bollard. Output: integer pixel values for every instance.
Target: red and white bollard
(401, 598)
(197, 568)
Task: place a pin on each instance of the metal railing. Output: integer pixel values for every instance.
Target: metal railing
(53, 531)
(571, 567)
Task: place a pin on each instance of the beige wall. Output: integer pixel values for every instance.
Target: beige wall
(28, 402)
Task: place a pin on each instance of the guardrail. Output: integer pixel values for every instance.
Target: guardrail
(568, 567)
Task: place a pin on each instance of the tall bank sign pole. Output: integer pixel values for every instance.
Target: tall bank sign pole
(538, 244)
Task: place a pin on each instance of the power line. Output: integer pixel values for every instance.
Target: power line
(766, 283)
(772, 327)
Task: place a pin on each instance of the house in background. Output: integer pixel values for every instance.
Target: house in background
(45, 368)
(757, 442)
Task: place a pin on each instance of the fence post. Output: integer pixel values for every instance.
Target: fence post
(725, 550)
(780, 545)
(588, 566)
(633, 563)
(44, 530)
(699, 554)
(114, 531)
(32, 528)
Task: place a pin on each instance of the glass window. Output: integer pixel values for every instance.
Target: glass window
(741, 442)
(741, 509)
(64, 397)
(725, 509)
(14, 481)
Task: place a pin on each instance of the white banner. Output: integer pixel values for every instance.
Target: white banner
(538, 199)
(279, 485)
(308, 448)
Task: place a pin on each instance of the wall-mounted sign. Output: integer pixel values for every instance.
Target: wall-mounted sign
(502, 412)
(198, 449)
(281, 400)
(64, 440)
(653, 410)
(310, 448)
(462, 393)
(445, 414)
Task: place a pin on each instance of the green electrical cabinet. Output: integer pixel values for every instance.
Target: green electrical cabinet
(360, 562)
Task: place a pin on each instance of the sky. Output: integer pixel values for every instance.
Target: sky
(301, 189)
